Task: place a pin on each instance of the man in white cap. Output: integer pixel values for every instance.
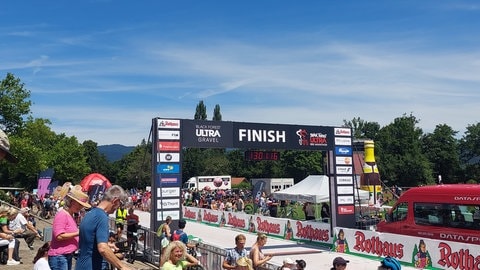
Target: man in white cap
(5, 148)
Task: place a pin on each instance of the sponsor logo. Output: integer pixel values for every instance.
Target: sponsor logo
(307, 231)
(344, 189)
(166, 123)
(168, 168)
(208, 133)
(162, 215)
(344, 180)
(345, 199)
(169, 134)
(168, 192)
(169, 180)
(342, 131)
(463, 258)
(343, 141)
(168, 157)
(168, 146)
(343, 160)
(346, 210)
(168, 204)
(373, 245)
(262, 135)
(343, 169)
(343, 151)
(311, 139)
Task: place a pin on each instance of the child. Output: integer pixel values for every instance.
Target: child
(41, 259)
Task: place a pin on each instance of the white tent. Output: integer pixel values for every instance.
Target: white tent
(314, 189)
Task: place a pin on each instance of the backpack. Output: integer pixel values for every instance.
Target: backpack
(176, 236)
(391, 263)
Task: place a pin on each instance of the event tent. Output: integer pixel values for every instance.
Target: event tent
(314, 189)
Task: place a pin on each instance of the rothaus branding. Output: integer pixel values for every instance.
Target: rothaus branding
(208, 133)
(262, 135)
(167, 123)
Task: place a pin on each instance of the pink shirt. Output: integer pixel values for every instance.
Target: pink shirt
(63, 223)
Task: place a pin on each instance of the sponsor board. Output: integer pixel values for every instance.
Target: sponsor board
(344, 189)
(168, 123)
(342, 132)
(306, 138)
(343, 160)
(168, 168)
(343, 151)
(168, 192)
(198, 133)
(162, 215)
(165, 146)
(345, 199)
(346, 210)
(168, 157)
(344, 180)
(168, 204)
(343, 141)
(343, 170)
(169, 134)
(169, 181)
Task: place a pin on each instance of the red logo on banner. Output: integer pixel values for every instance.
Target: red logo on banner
(168, 146)
(346, 210)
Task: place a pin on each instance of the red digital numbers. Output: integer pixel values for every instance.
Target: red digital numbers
(258, 155)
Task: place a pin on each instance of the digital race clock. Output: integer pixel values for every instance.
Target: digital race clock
(257, 155)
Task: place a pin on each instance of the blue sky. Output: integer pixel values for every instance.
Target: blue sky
(101, 70)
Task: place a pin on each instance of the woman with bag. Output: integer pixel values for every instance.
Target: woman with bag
(164, 232)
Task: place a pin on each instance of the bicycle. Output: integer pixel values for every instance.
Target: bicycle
(193, 252)
(132, 243)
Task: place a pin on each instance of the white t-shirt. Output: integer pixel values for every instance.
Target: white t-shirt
(41, 264)
(19, 222)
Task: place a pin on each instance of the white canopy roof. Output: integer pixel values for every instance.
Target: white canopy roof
(314, 189)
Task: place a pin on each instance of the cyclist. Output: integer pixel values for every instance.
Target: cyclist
(132, 227)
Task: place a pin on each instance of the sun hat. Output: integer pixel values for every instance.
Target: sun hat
(339, 260)
(79, 196)
(5, 147)
(288, 261)
(244, 263)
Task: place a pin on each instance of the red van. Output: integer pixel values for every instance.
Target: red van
(445, 212)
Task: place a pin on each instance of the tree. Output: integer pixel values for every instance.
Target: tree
(442, 150)
(362, 129)
(200, 111)
(14, 103)
(39, 148)
(400, 157)
(97, 162)
(470, 152)
(217, 116)
(134, 170)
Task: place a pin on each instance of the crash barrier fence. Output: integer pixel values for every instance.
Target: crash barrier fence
(211, 257)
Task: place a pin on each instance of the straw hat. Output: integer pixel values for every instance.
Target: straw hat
(244, 263)
(79, 196)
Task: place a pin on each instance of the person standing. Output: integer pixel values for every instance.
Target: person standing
(164, 233)
(325, 212)
(132, 227)
(65, 230)
(93, 248)
(235, 253)
(120, 218)
(309, 211)
(256, 252)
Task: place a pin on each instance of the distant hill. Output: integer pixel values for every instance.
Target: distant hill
(115, 152)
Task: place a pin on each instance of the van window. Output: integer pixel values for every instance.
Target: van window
(400, 213)
(447, 215)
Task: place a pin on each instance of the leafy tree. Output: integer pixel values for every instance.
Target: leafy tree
(14, 103)
(98, 162)
(399, 149)
(134, 170)
(362, 129)
(470, 152)
(200, 111)
(300, 164)
(442, 150)
(39, 148)
(217, 116)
